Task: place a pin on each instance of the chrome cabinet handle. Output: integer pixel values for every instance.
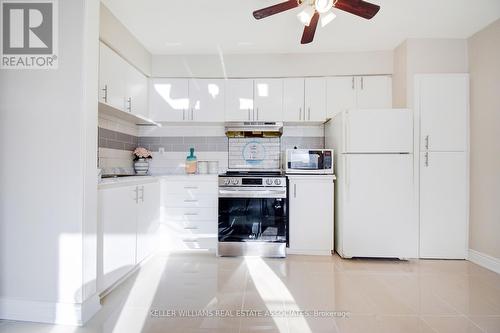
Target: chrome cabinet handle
(142, 194)
(353, 83)
(136, 199)
(183, 114)
(427, 142)
(426, 159)
(190, 200)
(129, 101)
(191, 228)
(249, 115)
(105, 97)
(300, 113)
(257, 118)
(309, 114)
(362, 83)
(294, 190)
(190, 214)
(191, 187)
(192, 114)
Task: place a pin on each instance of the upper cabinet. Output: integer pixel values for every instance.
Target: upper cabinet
(268, 100)
(293, 100)
(136, 88)
(315, 100)
(121, 86)
(112, 69)
(374, 92)
(361, 92)
(206, 99)
(169, 100)
(239, 100)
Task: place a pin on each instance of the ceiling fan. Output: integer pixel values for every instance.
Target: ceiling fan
(313, 9)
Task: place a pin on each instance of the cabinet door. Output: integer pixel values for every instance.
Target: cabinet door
(443, 104)
(340, 94)
(374, 92)
(148, 219)
(137, 92)
(293, 100)
(268, 99)
(169, 99)
(118, 213)
(206, 97)
(311, 215)
(239, 100)
(443, 205)
(112, 69)
(315, 99)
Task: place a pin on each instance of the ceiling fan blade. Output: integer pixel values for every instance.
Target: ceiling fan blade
(281, 7)
(310, 30)
(358, 7)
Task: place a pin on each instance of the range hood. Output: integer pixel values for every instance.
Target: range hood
(246, 129)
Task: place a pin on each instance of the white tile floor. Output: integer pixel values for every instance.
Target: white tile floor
(379, 296)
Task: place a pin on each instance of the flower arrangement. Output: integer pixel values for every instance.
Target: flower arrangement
(141, 152)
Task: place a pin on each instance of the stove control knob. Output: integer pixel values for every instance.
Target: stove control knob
(227, 181)
(277, 181)
(269, 181)
(234, 181)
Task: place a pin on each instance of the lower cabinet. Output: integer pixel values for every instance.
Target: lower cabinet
(190, 214)
(129, 219)
(311, 214)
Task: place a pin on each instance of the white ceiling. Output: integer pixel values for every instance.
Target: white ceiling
(205, 27)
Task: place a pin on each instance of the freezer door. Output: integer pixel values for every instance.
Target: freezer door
(378, 131)
(378, 217)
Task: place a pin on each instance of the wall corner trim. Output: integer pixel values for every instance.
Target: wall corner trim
(484, 260)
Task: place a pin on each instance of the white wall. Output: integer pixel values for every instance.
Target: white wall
(484, 53)
(272, 65)
(48, 184)
(425, 56)
(114, 34)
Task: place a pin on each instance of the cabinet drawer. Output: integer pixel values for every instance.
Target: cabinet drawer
(191, 214)
(185, 201)
(200, 242)
(191, 188)
(194, 229)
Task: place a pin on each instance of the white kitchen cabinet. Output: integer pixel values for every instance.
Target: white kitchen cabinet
(148, 219)
(374, 92)
(311, 214)
(136, 86)
(129, 218)
(112, 78)
(169, 100)
(315, 100)
(118, 218)
(443, 106)
(206, 99)
(358, 92)
(268, 100)
(190, 211)
(239, 100)
(341, 94)
(293, 100)
(443, 205)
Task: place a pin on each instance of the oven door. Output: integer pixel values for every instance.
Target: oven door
(253, 215)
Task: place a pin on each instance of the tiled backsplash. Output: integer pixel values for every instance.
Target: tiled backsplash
(117, 140)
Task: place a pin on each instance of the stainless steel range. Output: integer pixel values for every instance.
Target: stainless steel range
(253, 215)
(253, 202)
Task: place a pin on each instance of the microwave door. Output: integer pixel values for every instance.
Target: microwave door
(304, 161)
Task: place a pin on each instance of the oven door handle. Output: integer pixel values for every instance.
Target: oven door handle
(242, 193)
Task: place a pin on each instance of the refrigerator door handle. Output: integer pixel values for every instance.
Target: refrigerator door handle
(426, 159)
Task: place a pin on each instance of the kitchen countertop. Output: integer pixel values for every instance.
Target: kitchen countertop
(134, 180)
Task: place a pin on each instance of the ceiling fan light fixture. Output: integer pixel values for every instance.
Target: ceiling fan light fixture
(325, 19)
(322, 6)
(306, 15)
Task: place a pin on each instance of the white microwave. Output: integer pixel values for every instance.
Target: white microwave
(309, 161)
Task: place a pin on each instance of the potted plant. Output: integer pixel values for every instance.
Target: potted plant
(141, 163)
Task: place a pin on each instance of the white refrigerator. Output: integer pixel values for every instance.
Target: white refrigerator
(375, 206)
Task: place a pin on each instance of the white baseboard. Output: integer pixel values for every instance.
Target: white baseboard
(485, 260)
(74, 314)
(309, 252)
